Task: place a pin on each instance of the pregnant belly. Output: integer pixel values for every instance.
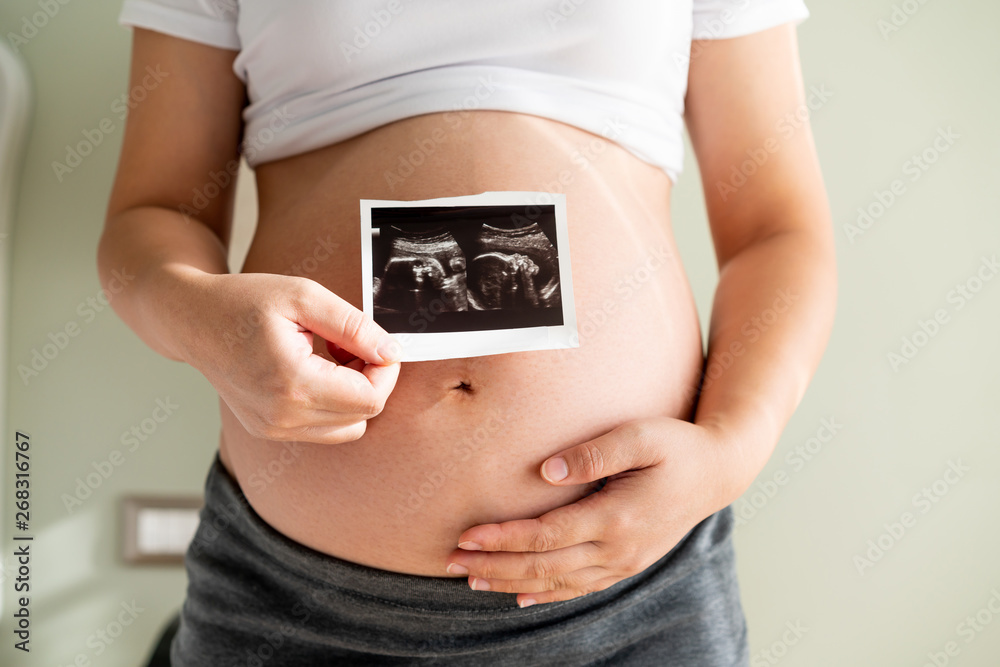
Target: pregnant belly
(460, 441)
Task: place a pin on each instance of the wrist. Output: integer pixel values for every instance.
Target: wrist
(177, 294)
(737, 455)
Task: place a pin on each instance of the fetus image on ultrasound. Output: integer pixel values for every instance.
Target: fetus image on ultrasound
(464, 268)
(515, 267)
(425, 268)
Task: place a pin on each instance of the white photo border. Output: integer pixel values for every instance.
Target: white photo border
(433, 346)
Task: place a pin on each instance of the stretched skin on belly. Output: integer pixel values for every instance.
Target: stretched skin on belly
(460, 441)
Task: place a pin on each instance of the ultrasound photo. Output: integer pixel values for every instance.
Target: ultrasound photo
(488, 266)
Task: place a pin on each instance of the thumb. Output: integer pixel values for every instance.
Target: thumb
(625, 448)
(327, 315)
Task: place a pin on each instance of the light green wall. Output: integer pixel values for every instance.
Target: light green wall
(900, 429)
(105, 380)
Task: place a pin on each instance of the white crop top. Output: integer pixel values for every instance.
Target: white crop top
(321, 71)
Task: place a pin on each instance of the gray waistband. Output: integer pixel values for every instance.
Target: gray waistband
(231, 529)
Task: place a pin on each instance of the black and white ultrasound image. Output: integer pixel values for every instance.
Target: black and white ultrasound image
(465, 268)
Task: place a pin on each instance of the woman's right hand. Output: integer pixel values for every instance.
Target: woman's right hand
(252, 336)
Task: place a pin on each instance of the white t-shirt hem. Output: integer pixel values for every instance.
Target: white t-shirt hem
(179, 23)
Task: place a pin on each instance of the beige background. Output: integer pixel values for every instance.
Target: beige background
(796, 555)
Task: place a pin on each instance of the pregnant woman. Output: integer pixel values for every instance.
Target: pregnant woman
(564, 507)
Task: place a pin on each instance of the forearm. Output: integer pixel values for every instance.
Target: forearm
(161, 251)
(771, 319)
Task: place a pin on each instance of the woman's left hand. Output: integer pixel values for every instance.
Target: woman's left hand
(664, 477)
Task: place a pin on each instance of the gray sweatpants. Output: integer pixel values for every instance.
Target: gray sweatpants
(258, 599)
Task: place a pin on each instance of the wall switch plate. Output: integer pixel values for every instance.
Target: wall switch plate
(158, 529)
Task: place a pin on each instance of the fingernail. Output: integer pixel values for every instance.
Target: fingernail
(455, 568)
(480, 584)
(555, 469)
(389, 350)
(526, 603)
(470, 546)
